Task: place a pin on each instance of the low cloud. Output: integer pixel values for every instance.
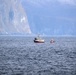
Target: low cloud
(66, 18)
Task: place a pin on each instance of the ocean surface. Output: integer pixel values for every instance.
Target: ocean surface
(21, 56)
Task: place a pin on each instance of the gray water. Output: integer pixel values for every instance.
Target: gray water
(21, 56)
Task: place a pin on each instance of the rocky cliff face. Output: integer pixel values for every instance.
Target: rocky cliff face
(13, 18)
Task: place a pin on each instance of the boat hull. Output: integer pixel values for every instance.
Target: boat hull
(39, 41)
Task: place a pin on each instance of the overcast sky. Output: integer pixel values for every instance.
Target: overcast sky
(51, 17)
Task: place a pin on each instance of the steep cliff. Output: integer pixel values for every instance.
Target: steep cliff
(13, 19)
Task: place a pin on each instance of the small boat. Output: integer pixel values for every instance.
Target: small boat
(38, 40)
(52, 41)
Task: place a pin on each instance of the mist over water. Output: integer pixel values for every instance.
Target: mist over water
(21, 56)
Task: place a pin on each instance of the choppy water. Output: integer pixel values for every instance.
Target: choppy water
(21, 56)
